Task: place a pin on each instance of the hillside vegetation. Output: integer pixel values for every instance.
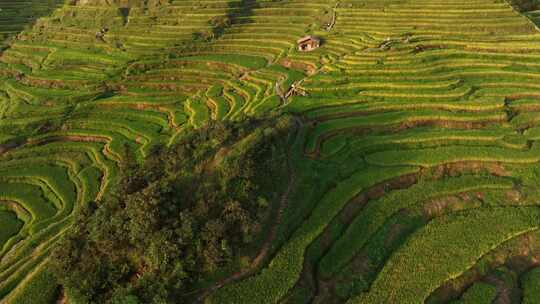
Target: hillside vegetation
(173, 222)
(397, 163)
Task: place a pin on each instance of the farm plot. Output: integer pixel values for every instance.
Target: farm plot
(418, 128)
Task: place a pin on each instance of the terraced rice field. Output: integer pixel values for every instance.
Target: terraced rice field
(416, 167)
(18, 15)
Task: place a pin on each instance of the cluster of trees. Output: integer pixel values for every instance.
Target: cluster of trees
(171, 222)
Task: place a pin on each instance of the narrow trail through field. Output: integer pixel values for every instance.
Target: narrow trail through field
(265, 248)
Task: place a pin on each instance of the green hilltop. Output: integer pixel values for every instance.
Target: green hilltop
(179, 151)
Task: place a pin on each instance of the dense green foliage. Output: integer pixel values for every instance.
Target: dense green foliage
(188, 211)
(479, 293)
(531, 286)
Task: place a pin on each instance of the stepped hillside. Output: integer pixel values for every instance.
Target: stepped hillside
(414, 169)
(17, 15)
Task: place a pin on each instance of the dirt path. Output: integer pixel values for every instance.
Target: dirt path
(265, 248)
(334, 18)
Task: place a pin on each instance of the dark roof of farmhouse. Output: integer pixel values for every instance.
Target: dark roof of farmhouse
(307, 38)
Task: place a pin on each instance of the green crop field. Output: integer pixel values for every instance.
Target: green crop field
(413, 167)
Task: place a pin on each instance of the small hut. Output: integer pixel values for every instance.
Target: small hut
(308, 43)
